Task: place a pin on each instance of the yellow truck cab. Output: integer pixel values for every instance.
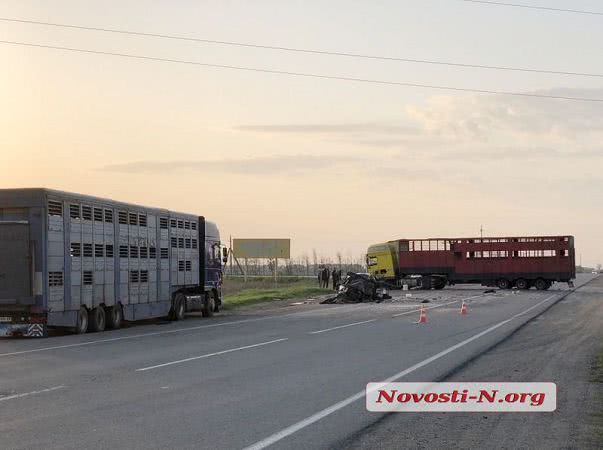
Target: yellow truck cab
(381, 260)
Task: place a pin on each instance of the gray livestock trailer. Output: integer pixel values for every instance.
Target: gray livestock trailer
(71, 260)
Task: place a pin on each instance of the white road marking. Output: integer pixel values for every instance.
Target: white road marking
(156, 333)
(28, 394)
(532, 307)
(342, 326)
(143, 369)
(292, 429)
(414, 311)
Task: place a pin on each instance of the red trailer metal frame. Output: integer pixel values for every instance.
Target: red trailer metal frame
(489, 260)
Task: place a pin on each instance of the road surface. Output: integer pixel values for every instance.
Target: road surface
(287, 378)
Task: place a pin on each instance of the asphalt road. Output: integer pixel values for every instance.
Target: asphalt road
(559, 346)
(292, 377)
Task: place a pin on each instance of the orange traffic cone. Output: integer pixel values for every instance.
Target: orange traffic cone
(464, 308)
(422, 315)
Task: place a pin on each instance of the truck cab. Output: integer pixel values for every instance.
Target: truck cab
(381, 261)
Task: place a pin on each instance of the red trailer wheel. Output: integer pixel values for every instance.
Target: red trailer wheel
(503, 283)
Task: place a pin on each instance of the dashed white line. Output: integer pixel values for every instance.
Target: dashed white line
(156, 333)
(341, 326)
(28, 394)
(208, 355)
(286, 432)
(133, 336)
(414, 311)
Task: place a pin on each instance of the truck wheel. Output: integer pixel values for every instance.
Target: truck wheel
(82, 321)
(440, 283)
(503, 283)
(179, 307)
(217, 303)
(114, 317)
(207, 310)
(522, 283)
(97, 319)
(541, 284)
(426, 282)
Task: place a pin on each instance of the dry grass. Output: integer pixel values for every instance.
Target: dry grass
(262, 289)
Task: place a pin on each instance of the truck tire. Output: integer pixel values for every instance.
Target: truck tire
(439, 283)
(503, 283)
(207, 310)
(522, 283)
(97, 319)
(426, 282)
(82, 321)
(541, 284)
(179, 307)
(114, 317)
(217, 302)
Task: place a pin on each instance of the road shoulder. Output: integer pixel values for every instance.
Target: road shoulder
(561, 346)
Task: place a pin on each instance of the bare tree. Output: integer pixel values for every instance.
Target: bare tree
(306, 262)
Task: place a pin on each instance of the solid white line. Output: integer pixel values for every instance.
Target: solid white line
(27, 394)
(211, 354)
(156, 333)
(341, 326)
(532, 307)
(276, 437)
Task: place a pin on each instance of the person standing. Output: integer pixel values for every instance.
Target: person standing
(335, 279)
(319, 276)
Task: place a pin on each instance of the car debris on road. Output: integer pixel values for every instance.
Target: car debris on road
(359, 288)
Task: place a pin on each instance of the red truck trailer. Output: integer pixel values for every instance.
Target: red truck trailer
(506, 262)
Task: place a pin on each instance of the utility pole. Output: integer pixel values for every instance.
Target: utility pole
(481, 231)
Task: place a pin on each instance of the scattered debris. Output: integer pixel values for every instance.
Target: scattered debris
(426, 301)
(489, 291)
(359, 288)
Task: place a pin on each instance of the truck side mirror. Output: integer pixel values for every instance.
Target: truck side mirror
(224, 255)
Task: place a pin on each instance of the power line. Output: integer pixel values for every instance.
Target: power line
(543, 8)
(303, 74)
(305, 50)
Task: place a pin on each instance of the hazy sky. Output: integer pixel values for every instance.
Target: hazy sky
(334, 165)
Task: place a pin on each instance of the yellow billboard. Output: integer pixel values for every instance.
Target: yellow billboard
(262, 248)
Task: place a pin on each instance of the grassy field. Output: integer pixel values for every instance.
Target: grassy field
(237, 293)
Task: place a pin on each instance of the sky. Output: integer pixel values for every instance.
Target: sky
(334, 165)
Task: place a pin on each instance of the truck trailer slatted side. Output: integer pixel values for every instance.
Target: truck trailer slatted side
(84, 262)
(523, 262)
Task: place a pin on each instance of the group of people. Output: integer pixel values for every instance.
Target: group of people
(325, 274)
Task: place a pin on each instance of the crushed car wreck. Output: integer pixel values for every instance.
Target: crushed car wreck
(359, 288)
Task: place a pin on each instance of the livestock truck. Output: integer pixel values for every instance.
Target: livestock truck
(505, 262)
(88, 263)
